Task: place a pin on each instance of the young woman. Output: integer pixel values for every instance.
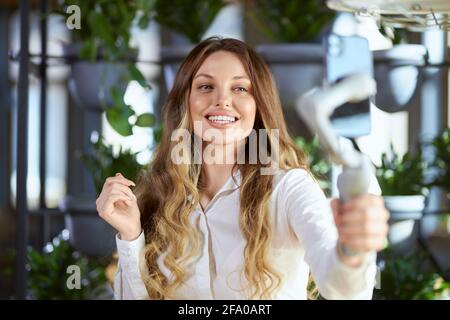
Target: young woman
(220, 229)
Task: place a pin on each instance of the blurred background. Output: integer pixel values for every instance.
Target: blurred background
(81, 88)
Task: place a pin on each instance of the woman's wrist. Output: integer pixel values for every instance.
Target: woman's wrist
(130, 236)
(351, 261)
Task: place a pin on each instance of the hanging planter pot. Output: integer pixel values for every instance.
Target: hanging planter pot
(90, 82)
(296, 68)
(398, 76)
(404, 212)
(88, 233)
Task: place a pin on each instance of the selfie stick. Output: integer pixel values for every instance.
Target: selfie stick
(315, 107)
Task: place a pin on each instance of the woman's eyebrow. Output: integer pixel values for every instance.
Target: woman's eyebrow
(241, 77)
(204, 75)
(211, 77)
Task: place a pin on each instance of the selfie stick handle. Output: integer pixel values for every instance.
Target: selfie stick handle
(316, 107)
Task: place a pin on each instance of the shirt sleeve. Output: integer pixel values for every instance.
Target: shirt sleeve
(128, 283)
(310, 217)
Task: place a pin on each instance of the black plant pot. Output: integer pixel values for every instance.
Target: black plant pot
(88, 233)
(398, 76)
(405, 212)
(90, 83)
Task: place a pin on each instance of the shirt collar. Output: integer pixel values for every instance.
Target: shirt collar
(229, 185)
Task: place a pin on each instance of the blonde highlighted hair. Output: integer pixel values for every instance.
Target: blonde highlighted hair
(168, 193)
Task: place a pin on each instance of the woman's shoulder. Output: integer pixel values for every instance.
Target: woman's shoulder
(296, 181)
(294, 175)
(297, 191)
(286, 180)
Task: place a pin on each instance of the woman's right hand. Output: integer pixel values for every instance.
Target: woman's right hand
(117, 205)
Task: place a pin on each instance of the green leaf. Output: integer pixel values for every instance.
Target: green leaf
(118, 122)
(158, 132)
(188, 18)
(441, 162)
(88, 51)
(291, 21)
(144, 21)
(319, 165)
(135, 74)
(402, 175)
(263, 27)
(145, 120)
(117, 96)
(145, 5)
(46, 278)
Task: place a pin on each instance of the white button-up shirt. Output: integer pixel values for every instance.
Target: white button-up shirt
(305, 239)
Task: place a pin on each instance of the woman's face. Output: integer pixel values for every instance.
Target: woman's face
(221, 102)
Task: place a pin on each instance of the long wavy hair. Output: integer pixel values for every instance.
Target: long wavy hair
(168, 193)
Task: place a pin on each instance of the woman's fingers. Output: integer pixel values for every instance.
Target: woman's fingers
(363, 201)
(361, 222)
(106, 208)
(369, 229)
(362, 215)
(118, 179)
(116, 192)
(364, 243)
(117, 205)
(117, 187)
(113, 190)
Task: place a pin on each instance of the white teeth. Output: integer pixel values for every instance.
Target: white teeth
(222, 119)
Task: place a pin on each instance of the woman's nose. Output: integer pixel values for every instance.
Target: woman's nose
(222, 104)
(223, 100)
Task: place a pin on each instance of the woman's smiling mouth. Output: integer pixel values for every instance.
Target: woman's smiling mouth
(221, 121)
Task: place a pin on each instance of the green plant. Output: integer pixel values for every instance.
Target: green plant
(319, 166)
(442, 160)
(105, 34)
(105, 162)
(190, 18)
(402, 175)
(48, 275)
(157, 132)
(406, 278)
(290, 21)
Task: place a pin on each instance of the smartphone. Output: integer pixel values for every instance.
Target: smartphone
(346, 55)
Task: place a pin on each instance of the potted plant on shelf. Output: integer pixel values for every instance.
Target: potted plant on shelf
(441, 162)
(187, 20)
(409, 278)
(48, 273)
(294, 50)
(401, 180)
(89, 234)
(103, 59)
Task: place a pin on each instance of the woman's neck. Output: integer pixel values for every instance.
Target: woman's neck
(214, 174)
(214, 177)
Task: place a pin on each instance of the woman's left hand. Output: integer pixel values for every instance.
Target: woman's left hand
(362, 222)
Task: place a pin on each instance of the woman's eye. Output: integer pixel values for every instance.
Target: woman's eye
(205, 87)
(241, 89)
